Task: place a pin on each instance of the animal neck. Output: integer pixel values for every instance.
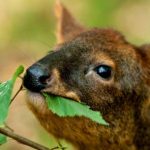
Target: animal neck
(128, 117)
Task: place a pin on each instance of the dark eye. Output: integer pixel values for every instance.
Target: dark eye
(104, 71)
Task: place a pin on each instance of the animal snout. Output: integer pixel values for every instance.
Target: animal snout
(36, 78)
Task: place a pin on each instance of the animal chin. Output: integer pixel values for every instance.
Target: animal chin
(36, 99)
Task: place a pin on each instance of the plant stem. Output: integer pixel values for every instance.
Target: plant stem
(21, 87)
(24, 141)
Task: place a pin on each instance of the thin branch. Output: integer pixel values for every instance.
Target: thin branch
(25, 141)
(60, 145)
(20, 77)
(21, 87)
(7, 127)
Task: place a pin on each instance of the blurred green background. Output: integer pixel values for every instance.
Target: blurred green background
(27, 32)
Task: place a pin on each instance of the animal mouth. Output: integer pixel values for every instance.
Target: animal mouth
(38, 97)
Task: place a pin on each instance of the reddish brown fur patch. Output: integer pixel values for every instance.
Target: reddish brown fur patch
(86, 134)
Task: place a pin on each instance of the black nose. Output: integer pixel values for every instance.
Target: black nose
(35, 78)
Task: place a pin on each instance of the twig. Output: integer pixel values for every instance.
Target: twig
(24, 141)
(20, 77)
(60, 145)
(7, 127)
(21, 87)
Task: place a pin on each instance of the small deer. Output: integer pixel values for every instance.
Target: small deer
(100, 68)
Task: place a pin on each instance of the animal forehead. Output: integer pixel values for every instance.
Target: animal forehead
(99, 39)
(101, 35)
(98, 44)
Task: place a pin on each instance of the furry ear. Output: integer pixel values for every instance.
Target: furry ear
(67, 27)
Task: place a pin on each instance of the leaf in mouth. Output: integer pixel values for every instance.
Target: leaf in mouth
(64, 107)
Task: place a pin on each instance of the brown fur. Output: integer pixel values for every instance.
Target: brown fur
(124, 100)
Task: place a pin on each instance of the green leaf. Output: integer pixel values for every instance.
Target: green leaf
(64, 107)
(5, 98)
(5, 94)
(2, 139)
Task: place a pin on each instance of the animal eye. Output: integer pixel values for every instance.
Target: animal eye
(104, 71)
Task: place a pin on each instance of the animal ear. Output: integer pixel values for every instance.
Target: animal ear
(67, 26)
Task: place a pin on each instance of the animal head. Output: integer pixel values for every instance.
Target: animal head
(95, 66)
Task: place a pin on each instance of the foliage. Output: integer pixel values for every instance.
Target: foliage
(3, 139)
(64, 107)
(5, 98)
